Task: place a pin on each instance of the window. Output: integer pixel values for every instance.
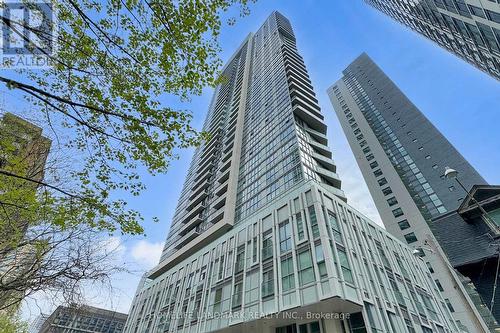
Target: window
(287, 329)
(382, 254)
(426, 329)
(404, 224)
(374, 324)
(397, 212)
(488, 36)
(493, 16)
(314, 222)
(370, 157)
(382, 181)
(306, 272)
(392, 201)
(237, 293)
(217, 300)
(366, 150)
(387, 191)
(285, 237)
(267, 245)
(240, 259)
(357, 323)
(320, 261)
(373, 164)
(377, 173)
(267, 283)
(344, 265)
(334, 225)
(221, 268)
(411, 238)
(477, 11)
(448, 304)
(474, 33)
(438, 285)
(429, 266)
(287, 274)
(308, 328)
(495, 216)
(300, 226)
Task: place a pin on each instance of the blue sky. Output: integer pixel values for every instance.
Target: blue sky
(460, 100)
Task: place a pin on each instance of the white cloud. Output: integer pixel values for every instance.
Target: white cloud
(146, 253)
(114, 245)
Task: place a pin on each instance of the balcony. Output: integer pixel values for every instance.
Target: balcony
(339, 193)
(318, 136)
(230, 138)
(220, 202)
(207, 159)
(202, 179)
(221, 189)
(209, 149)
(321, 148)
(311, 107)
(296, 90)
(326, 162)
(216, 216)
(229, 147)
(187, 238)
(332, 177)
(310, 118)
(225, 166)
(224, 177)
(227, 156)
(193, 223)
(205, 169)
(193, 212)
(197, 199)
(294, 76)
(203, 163)
(198, 189)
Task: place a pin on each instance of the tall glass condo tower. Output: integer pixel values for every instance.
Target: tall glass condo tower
(402, 157)
(262, 239)
(469, 29)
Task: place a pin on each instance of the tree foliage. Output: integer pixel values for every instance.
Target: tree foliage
(11, 323)
(118, 65)
(106, 103)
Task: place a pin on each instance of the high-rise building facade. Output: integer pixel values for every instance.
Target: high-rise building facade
(271, 245)
(23, 151)
(36, 325)
(258, 149)
(402, 157)
(23, 141)
(468, 28)
(83, 319)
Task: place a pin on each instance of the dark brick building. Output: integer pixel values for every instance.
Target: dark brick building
(472, 242)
